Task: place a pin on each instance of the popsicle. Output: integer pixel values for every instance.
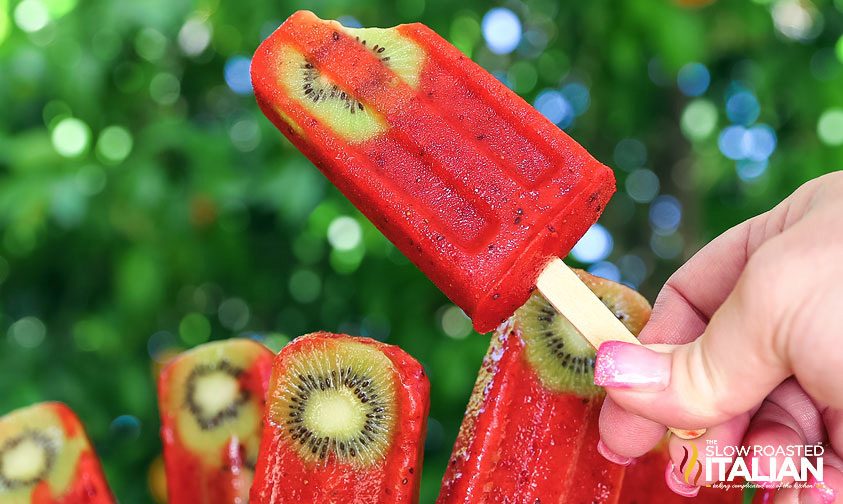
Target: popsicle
(531, 427)
(211, 401)
(345, 423)
(473, 185)
(644, 483)
(46, 458)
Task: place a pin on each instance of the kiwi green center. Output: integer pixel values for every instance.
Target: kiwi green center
(336, 107)
(562, 358)
(335, 412)
(26, 460)
(214, 395)
(337, 403)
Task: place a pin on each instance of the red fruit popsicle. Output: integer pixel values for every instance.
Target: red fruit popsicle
(476, 187)
(345, 423)
(531, 427)
(212, 401)
(46, 458)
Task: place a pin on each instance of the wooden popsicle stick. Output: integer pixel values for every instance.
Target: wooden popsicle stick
(575, 301)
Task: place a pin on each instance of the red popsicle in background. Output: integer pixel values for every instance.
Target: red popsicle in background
(345, 423)
(531, 427)
(211, 400)
(46, 458)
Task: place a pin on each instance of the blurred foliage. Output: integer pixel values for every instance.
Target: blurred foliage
(146, 205)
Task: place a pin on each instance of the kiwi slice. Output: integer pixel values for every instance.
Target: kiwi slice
(562, 358)
(35, 448)
(337, 402)
(335, 107)
(210, 395)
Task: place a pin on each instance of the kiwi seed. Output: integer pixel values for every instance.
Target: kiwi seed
(562, 358)
(28, 444)
(339, 404)
(211, 418)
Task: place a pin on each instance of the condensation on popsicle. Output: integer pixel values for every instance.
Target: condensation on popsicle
(475, 186)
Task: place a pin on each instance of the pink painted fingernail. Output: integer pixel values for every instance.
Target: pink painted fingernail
(675, 483)
(612, 456)
(817, 493)
(764, 496)
(624, 365)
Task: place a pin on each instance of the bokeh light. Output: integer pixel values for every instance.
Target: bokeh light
(114, 144)
(595, 245)
(553, 105)
(151, 44)
(237, 75)
(605, 269)
(165, 88)
(234, 314)
(756, 143)
(693, 79)
(797, 19)
(743, 108)
(577, 96)
(455, 323)
(28, 332)
(699, 119)
(665, 214)
(630, 153)
(501, 30)
(195, 36)
(194, 329)
(642, 185)
(71, 137)
(830, 127)
(749, 170)
(344, 233)
(305, 285)
(31, 15)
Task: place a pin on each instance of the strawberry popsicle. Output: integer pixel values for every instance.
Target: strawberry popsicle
(472, 184)
(46, 458)
(211, 400)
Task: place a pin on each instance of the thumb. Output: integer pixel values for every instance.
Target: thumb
(725, 372)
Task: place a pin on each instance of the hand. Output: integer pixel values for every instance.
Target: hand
(746, 339)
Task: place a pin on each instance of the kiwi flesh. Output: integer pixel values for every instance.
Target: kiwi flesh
(562, 358)
(206, 393)
(34, 448)
(335, 107)
(337, 402)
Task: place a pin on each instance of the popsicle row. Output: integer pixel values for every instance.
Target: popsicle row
(340, 419)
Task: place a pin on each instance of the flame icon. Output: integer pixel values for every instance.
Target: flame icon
(690, 461)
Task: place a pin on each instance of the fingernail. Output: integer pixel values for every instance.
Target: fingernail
(675, 483)
(817, 493)
(624, 365)
(612, 456)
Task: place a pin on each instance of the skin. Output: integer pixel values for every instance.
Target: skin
(753, 324)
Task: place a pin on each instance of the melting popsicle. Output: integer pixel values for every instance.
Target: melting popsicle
(476, 187)
(531, 427)
(46, 458)
(345, 422)
(211, 400)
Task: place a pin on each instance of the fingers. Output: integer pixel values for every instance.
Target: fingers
(725, 372)
(625, 436)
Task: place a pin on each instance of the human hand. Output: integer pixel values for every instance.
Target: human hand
(746, 339)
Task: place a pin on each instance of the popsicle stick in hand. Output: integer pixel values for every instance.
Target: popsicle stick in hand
(566, 292)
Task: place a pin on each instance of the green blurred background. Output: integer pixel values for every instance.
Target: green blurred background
(146, 204)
